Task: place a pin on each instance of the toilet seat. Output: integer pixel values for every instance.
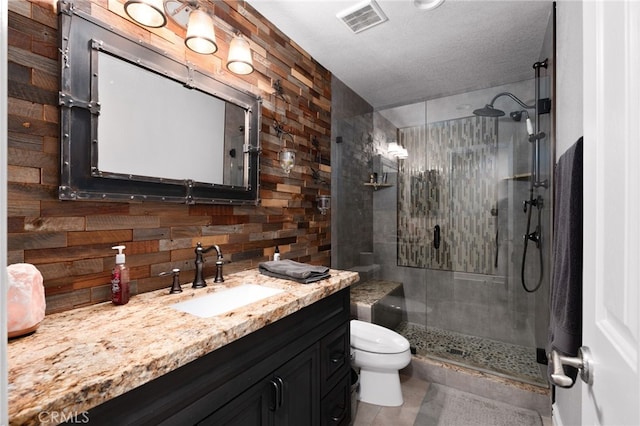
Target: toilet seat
(373, 338)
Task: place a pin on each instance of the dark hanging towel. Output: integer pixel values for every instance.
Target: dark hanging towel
(565, 326)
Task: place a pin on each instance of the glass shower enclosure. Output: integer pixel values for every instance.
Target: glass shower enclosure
(461, 229)
(448, 224)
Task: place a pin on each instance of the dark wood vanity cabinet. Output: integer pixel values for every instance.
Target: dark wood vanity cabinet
(289, 396)
(295, 371)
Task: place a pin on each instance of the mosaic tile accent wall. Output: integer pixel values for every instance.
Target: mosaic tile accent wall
(450, 180)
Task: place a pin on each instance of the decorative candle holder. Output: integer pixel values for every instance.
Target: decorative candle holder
(324, 203)
(287, 158)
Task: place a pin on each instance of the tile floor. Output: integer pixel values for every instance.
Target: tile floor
(503, 359)
(413, 391)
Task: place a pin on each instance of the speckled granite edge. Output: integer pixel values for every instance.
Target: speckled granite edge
(81, 358)
(370, 292)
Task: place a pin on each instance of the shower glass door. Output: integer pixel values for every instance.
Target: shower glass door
(459, 239)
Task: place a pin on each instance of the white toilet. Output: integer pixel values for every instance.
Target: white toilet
(379, 353)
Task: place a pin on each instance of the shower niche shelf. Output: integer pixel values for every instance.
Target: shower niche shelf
(375, 186)
(519, 177)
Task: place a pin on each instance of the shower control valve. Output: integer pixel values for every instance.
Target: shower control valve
(534, 236)
(537, 137)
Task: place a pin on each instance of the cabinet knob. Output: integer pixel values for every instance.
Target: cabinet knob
(339, 417)
(337, 358)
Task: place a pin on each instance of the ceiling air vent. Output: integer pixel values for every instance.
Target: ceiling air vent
(362, 16)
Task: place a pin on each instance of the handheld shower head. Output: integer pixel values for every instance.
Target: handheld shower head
(530, 130)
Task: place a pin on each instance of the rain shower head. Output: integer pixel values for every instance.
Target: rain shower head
(490, 111)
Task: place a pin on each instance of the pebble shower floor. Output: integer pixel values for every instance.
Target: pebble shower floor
(507, 360)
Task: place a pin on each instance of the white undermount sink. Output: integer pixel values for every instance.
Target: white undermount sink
(227, 300)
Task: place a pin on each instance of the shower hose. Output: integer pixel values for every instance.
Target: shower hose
(534, 236)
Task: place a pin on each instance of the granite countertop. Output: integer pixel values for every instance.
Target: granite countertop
(81, 358)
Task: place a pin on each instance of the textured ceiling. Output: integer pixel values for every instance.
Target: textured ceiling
(418, 54)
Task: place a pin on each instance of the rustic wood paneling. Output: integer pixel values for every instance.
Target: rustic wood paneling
(110, 236)
(70, 241)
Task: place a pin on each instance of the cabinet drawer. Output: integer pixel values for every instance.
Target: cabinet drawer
(336, 406)
(334, 357)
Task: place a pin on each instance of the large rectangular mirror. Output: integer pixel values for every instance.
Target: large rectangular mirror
(139, 125)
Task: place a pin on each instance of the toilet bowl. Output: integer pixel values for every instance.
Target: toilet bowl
(379, 353)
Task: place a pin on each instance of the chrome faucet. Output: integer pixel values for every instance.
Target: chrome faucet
(198, 281)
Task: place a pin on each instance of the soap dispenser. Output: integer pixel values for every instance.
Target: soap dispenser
(276, 254)
(120, 279)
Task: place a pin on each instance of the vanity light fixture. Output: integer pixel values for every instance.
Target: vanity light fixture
(239, 60)
(403, 153)
(393, 148)
(201, 37)
(397, 150)
(149, 13)
(199, 25)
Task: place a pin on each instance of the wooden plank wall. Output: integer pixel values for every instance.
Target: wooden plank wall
(70, 241)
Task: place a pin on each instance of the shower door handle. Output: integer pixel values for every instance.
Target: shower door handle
(436, 237)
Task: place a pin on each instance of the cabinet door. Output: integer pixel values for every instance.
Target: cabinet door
(299, 401)
(334, 357)
(336, 406)
(250, 408)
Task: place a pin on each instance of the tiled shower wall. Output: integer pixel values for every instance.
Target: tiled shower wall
(485, 305)
(359, 140)
(449, 181)
(352, 152)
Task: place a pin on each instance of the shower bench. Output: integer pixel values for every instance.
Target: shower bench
(378, 301)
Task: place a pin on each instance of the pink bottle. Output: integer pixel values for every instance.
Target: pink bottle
(119, 279)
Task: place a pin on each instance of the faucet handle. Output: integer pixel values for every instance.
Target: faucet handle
(219, 278)
(175, 286)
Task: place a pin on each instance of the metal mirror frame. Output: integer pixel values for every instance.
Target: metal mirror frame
(81, 37)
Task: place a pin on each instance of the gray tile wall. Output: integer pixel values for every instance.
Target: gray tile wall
(449, 181)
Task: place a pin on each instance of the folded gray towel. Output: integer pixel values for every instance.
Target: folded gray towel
(292, 270)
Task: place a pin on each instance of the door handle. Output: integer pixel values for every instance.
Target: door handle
(280, 383)
(277, 386)
(582, 362)
(276, 393)
(436, 237)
